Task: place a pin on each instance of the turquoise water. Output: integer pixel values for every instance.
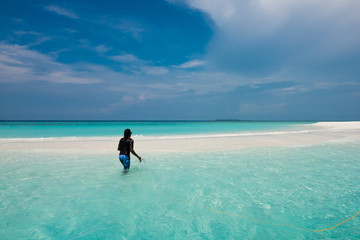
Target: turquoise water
(255, 193)
(86, 129)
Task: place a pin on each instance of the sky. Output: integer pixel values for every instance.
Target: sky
(180, 60)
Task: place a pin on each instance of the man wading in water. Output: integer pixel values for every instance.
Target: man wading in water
(126, 146)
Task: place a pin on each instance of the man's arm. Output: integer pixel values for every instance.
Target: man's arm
(133, 152)
(119, 146)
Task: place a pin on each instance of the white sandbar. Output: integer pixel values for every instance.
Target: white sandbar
(316, 133)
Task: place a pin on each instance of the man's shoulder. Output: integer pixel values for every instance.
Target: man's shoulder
(127, 140)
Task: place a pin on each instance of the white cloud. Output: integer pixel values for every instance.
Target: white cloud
(269, 15)
(36, 37)
(21, 33)
(20, 64)
(302, 43)
(191, 64)
(177, 83)
(40, 40)
(130, 27)
(67, 76)
(8, 60)
(125, 58)
(102, 48)
(61, 11)
(136, 65)
(290, 90)
(126, 102)
(153, 70)
(318, 85)
(10, 73)
(280, 33)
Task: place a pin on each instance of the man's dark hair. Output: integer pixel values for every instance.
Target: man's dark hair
(127, 133)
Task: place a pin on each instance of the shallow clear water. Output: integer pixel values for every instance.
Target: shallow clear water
(227, 195)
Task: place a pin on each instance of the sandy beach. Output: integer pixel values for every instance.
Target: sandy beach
(317, 133)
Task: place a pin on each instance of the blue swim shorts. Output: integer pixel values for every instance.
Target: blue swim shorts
(125, 160)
